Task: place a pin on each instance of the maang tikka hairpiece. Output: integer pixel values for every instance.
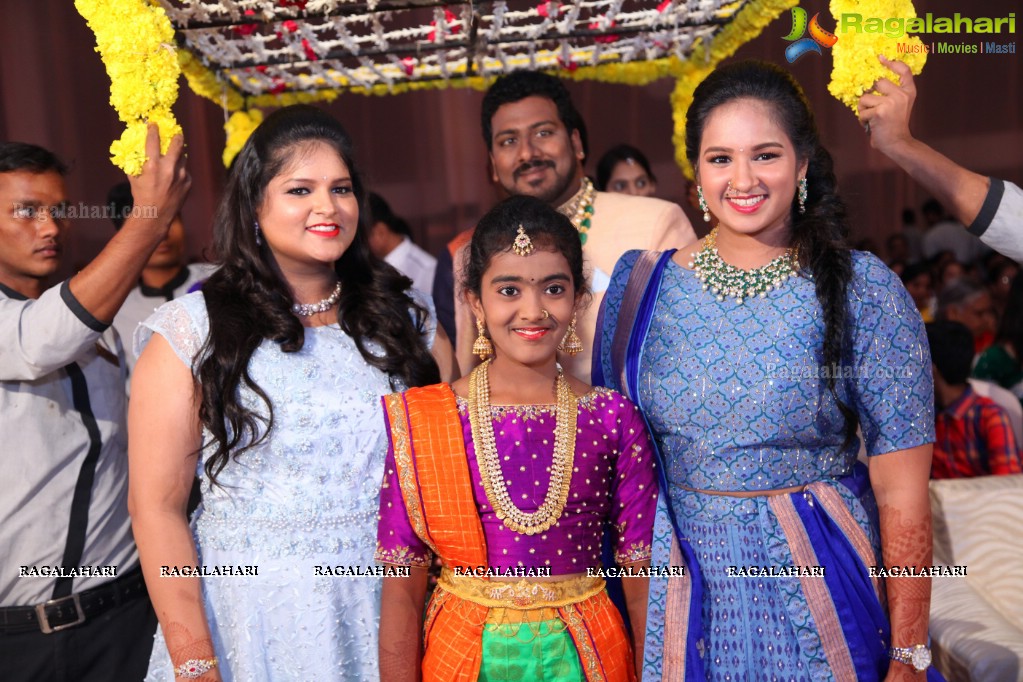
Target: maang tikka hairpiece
(523, 245)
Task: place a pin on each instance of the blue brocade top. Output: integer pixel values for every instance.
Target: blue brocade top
(736, 394)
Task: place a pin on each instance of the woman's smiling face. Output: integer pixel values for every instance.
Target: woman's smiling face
(309, 213)
(748, 168)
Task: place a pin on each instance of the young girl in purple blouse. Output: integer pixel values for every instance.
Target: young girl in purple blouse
(511, 476)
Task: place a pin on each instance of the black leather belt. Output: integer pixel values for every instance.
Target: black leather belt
(75, 609)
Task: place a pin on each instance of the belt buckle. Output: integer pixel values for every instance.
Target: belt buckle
(44, 621)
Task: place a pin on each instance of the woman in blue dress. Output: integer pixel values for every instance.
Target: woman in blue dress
(267, 384)
(757, 355)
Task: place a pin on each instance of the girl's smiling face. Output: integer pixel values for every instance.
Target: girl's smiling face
(527, 303)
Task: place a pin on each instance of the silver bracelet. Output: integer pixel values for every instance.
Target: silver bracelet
(195, 668)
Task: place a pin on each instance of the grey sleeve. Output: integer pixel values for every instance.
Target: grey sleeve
(430, 328)
(1000, 221)
(42, 335)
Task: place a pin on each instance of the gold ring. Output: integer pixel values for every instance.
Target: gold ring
(546, 315)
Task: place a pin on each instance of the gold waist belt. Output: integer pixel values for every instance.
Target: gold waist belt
(524, 594)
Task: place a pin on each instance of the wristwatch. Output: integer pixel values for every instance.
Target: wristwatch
(918, 656)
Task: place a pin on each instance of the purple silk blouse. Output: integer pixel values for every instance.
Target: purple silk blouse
(613, 481)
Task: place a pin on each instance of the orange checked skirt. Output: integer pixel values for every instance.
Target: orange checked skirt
(463, 607)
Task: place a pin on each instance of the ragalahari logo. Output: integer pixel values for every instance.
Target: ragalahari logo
(818, 36)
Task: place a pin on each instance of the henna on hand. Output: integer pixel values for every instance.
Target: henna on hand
(906, 541)
(184, 646)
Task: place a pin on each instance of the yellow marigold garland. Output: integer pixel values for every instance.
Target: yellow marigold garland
(286, 99)
(856, 66)
(131, 35)
(205, 83)
(238, 128)
(136, 42)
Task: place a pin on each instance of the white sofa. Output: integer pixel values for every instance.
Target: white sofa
(977, 620)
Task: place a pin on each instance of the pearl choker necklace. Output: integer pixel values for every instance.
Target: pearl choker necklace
(310, 309)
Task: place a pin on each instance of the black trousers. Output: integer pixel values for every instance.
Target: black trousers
(113, 647)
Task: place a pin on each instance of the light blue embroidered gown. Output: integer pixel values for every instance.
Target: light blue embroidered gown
(736, 401)
(307, 497)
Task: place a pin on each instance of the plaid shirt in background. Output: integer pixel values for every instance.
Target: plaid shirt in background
(974, 438)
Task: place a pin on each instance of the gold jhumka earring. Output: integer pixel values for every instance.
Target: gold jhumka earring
(482, 347)
(571, 344)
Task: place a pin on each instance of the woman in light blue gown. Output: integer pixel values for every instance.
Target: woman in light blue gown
(267, 384)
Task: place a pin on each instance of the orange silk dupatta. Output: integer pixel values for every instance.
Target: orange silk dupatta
(425, 428)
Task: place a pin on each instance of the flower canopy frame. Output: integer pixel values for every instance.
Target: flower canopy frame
(246, 55)
(343, 45)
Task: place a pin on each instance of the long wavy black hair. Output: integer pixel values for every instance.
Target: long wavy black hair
(821, 233)
(248, 301)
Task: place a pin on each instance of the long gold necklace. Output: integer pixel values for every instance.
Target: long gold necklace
(494, 484)
(579, 208)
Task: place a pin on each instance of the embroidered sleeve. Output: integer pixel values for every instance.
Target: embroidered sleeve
(182, 322)
(400, 556)
(634, 484)
(397, 542)
(890, 370)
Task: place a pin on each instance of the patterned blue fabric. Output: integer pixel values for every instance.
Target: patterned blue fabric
(736, 397)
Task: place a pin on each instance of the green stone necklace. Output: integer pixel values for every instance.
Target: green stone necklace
(724, 280)
(579, 209)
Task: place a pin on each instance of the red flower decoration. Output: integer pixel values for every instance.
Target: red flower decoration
(247, 29)
(664, 5)
(300, 4)
(307, 48)
(450, 20)
(609, 38)
(567, 66)
(278, 87)
(291, 26)
(309, 54)
(408, 64)
(545, 9)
